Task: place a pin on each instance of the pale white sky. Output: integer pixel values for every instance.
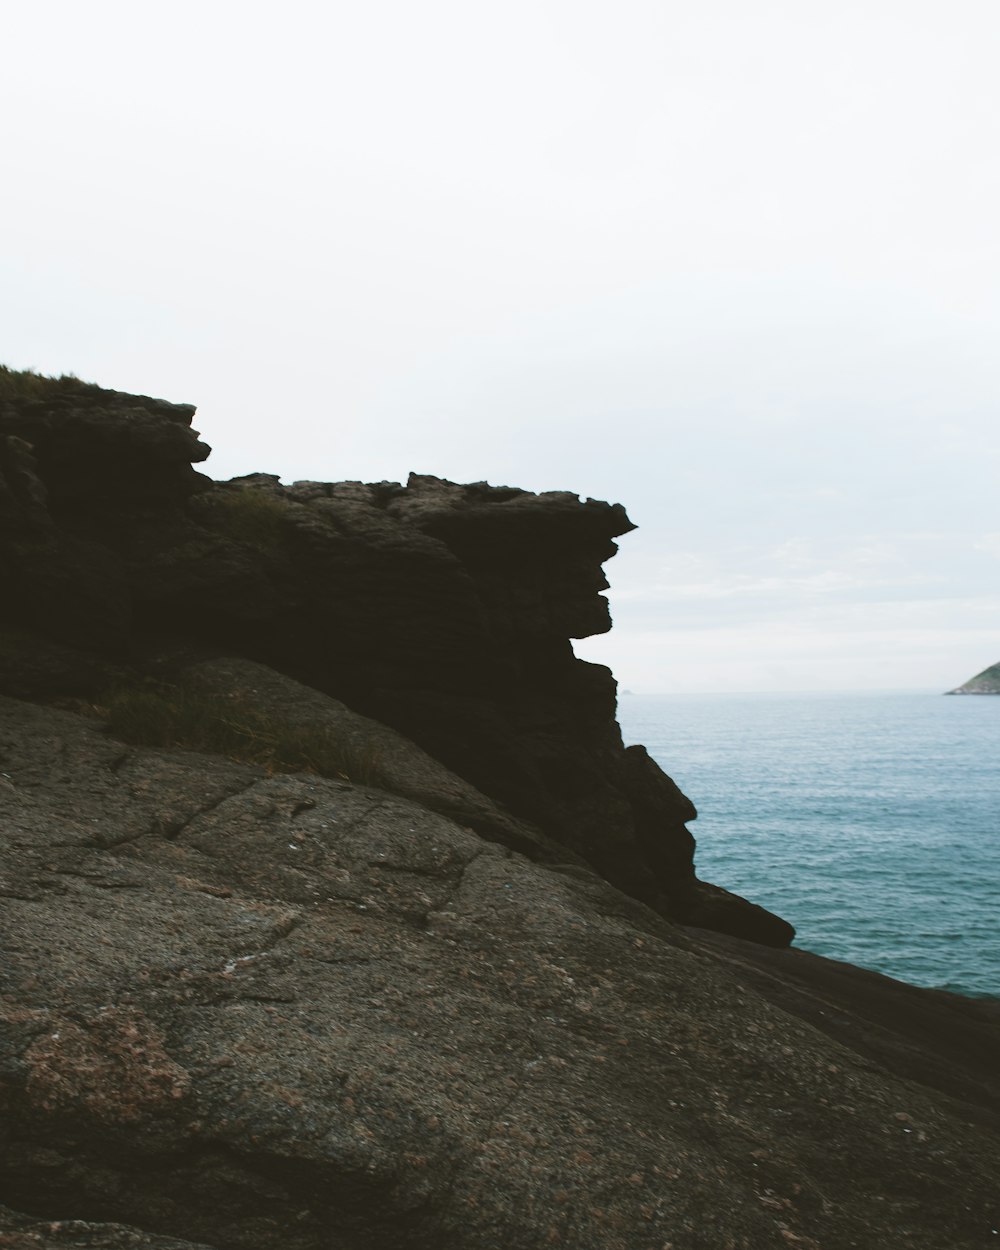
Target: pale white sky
(735, 265)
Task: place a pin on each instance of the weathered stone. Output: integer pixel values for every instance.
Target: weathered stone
(98, 449)
(288, 1012)
(443, 611)
(25, 1232)
(389, 760)
(23, 497)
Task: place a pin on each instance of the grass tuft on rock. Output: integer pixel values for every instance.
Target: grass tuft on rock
(249, 515)
(26, 384)
(176, 716)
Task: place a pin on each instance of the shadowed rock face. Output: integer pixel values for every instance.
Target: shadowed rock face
(258, 1012)
(80, 466)
(26, 1232)
(100, 450)
(443, 1010)
(443, 611)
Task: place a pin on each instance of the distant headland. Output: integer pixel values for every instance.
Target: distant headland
(986, 682)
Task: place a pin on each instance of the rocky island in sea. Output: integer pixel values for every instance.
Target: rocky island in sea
(336, 914)
(986, 682)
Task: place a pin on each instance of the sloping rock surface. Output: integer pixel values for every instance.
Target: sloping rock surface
(393, 762)
(252, 1011)
(25, 1232)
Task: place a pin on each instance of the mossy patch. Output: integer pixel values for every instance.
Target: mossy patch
(249, 515)
(26, 384)
(158, 715)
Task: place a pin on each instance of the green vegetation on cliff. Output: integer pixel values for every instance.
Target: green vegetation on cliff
(157, 715)
(26, 384)
(249, 516)
(986, 682)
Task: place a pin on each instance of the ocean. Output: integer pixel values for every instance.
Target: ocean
(869, 821)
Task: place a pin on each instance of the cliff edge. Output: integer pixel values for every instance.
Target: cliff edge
(442, 611)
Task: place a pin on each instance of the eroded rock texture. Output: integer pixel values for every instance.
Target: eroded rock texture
(249, 1011)
(448, 1008)
(25, 1232)
(443, 611)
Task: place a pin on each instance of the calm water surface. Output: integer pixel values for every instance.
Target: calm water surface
(870, 821)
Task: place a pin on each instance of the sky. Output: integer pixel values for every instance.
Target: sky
(733, 265)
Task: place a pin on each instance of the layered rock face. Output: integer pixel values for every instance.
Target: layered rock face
(443, 611)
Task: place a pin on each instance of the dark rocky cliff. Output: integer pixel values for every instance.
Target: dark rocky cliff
(443, 611)
(386, 958)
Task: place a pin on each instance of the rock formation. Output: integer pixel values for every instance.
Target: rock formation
(986, 682)
(388, 957)
(443, 611)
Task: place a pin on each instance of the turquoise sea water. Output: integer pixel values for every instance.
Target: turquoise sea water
(870, 821)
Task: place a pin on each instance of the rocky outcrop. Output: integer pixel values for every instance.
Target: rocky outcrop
(25, 1232)
(444, 612)
(247, 1011)
(388, 760)
(986, 682)
(401, 970)
(80, 467)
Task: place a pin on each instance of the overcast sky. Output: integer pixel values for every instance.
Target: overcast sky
(732, 264)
